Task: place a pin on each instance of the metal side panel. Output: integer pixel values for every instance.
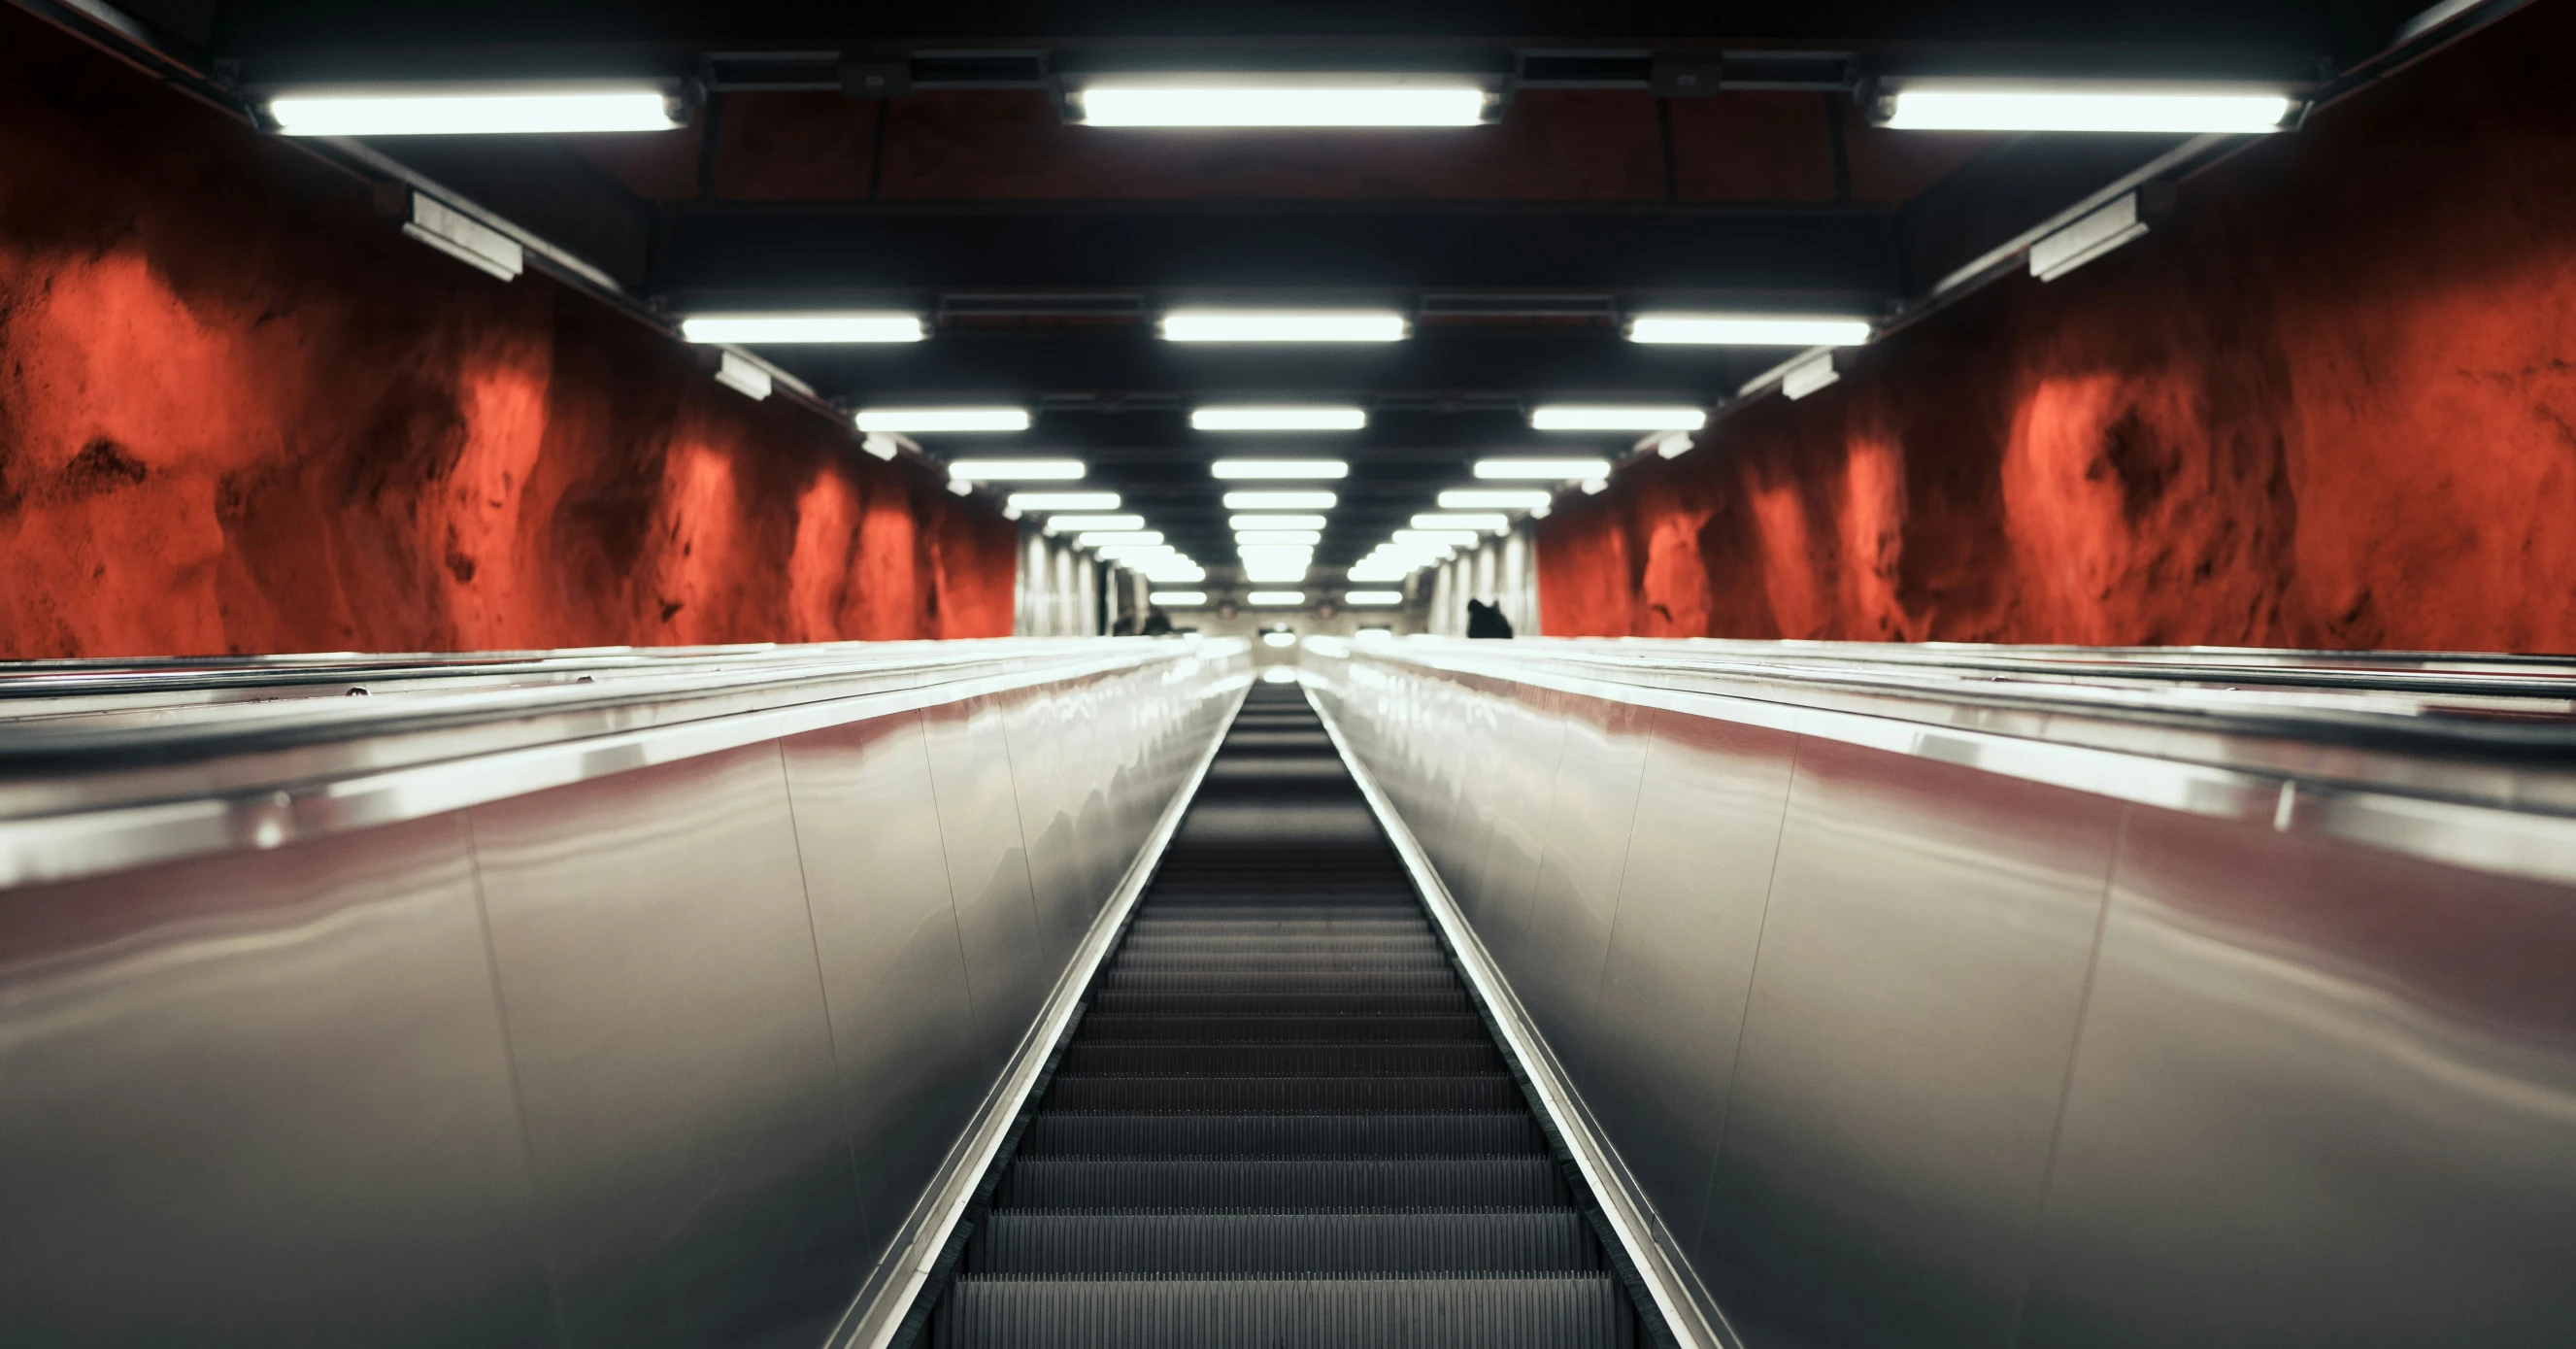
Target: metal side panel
(988, 872)
(657, 970)
(1531, 740)
(1037, 781)
(263, 1100)
(2324, 1096)
(1905, 1050)
(1575, 902)
(1099, 854)
(1659, 1069)
(911, 1067)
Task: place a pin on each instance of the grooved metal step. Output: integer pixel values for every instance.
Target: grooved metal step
(1480, 1134)
(1575, 1311)
(1463, 1241)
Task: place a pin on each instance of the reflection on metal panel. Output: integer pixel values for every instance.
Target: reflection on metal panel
(263, 1100)
(1037, 778)
(988, 871)
(2323, 1098)
(1574, 904)
(1904, 1049)
(657, 969)
(885, 934)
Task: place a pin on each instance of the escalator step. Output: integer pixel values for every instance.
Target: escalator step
(1282, 1183)
(1185, 1244)
(1144, 1002)
(1486, 1133)
(1103, 1029)
(1304, 1095)
(1278, 962)
(1561, 1312)
(1260, 981)
(1280, 1060)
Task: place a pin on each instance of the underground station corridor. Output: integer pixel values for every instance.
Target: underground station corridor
(1507, 674)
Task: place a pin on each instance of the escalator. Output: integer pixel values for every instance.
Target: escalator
(1281, 1121)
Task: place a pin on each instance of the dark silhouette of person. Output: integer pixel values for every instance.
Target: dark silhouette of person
(1486, 620)
(1157, 623)
(1124, 627)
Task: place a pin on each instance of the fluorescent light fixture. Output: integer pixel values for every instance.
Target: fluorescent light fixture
(1277, 419)
(1015, 470)
(1372, 597)
(1375, 634)
(1597, 417)
(1593, 487)
(1463, 538)
(1283, 325)
(1083, 524)
(1065, 501)
(1675, 445)
(1541, 470)
(1463, 520)
(942, 419)
(743, 377)
(1243, 522)
(1122, 550)
(781, 329)
(472, 111)
(1101, 537)
(1178, 599)
(1306, 469)
(2083, 106)
(1748, 330)
(1475, 499)
(1380, 575)
(1255, 538)
(1809, 376)
(1277, 597)
(1252, 102)
(1280, 501)
(880, 445)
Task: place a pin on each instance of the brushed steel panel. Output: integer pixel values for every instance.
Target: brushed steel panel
(894, 975)
(1098, 859)
(1658, 1071)
(1575, 897)
(1913, 1013)
(1530, 746)
(657, 969)
(2324, 1096)
(263, 1099)
(988, 873)
(1037, 781)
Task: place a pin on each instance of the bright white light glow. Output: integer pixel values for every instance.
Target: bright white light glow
(1280, 501)
(1594, 417)
(479, 112)
(2076, 107)
(943, 419)
(1375, 634)
(1234, 101)
(1267, 597)
(1101, 537)
(1307, 469)
(1282, 325)
(1120, 552)
(1373, 597)
(1243, 522)
(1065, 501)
(1015, 470)
(1463, 538)
(1278, 419)
(1541, 470)
(1472, 499)
(1593, 487)
(1255, 538)
(1280, 674)
(1080, 524)
(782, 329)
(1290, 569)
(1380, 574)
(1178, 599)
(1748, 330)
(1462, 520)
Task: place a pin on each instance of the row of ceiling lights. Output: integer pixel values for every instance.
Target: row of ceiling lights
(877, 327)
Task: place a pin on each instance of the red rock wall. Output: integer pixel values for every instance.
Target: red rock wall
(2332, 404)
(239, 413)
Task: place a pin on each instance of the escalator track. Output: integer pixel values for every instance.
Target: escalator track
(1280, 1120)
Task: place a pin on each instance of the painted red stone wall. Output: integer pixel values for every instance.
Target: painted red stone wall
(2332, 404)
(239, 413)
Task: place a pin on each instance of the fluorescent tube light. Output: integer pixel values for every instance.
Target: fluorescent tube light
(1278, 419)
(1463, 520)
(1748, 330)
(1541, 470)
(1015, 470)
(1587, 417)
(1252, 102)
(1272, 598)
(482, 111)
(1255, 538)
(1282, 325)
(1243, 522)
(1280, 501)
(1312, 470)
(1372, 597)
(1464, 538)
(2084, 107)
(1178, 599)
(775, 329)
(1472, 499)
(941, 419)
(1083, 524)
(1065, 501)
(1099, 537)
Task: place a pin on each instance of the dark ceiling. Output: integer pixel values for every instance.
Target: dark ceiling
(1045, 249)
